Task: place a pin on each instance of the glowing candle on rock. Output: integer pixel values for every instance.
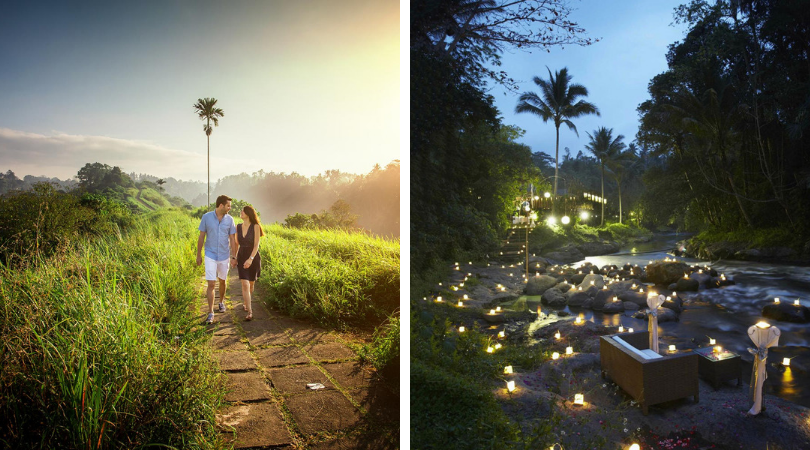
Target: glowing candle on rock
(578, 320)
(569, 350)
(498, 346)
(498, 309)
(555, 355)
(776, 300)
(621, 329)
(492, 311)
(796, 302)
(557, 335)
(629, 330)
(461, 329)
(490, 349)
(510, 386)
(460, 304)
(579, 399)
(711, 341)
(507, 369)
(466, 297)
(718, 349)
(786, 362)
(672, 348)
(502, 334)
(439, 298)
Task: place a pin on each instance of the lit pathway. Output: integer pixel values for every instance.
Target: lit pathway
(268, 363)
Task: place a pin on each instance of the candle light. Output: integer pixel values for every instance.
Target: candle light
(672, 348)
(629, 330)
(776, 300)
(507, 369)
(466, 297)
(615, 299)
(641, 291)
(718, 349)
(439, 298)
(674, 294)
(498, 309)
(579, 288)
(579, 399)
(634, 447)
(555, 355)
(557, 335)
(686, 276)
(796, 302)
(592, 281)
(492, 311)
(578, 320)
(460, 304)
(786, 362)
(490, 349)
(763, 325)
(498, 346)
(502, 334)
(711, 341)
(621, 329)
(510, 386)
(569, 350)
(461, 284)
(461, 329)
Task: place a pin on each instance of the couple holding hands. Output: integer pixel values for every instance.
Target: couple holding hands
(229, 245)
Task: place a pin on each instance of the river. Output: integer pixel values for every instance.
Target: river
(727, 312)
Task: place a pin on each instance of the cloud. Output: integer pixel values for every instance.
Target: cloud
(62, 155)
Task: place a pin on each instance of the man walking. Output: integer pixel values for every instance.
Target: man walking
(218, 232)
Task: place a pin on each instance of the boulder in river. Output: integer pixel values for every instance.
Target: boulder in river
(664, 315)
(553, 297)
(612, 307)
(787, 312)
(578, 298)
(539, 284)
(665, 272)
(603, 297)
(565, 255)
(633, 297)
(598, 248)
(592, 280)
(684, 284)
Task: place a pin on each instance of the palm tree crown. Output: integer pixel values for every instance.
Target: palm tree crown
(206, 110)
(604, 147)
(557, 101)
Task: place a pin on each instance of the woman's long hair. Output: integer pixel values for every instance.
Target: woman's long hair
(254, 219)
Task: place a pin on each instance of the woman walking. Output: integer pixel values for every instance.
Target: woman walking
(248, 260)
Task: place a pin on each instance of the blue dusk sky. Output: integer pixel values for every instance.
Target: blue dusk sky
(616, 70)
(305, 86)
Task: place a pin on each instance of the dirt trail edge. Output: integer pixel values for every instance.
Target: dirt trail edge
(270, 365)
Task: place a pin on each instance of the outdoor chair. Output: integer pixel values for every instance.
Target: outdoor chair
(646, 376)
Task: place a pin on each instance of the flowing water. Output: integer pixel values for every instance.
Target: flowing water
(726, 313)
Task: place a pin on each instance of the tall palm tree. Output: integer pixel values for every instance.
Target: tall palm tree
(557, 101)
(604, 147)
(620, 166)
(206, 110)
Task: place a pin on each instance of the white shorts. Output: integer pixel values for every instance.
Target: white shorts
(216, 269)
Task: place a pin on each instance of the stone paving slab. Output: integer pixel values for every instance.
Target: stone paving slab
(280, 356)
(255, 425)
(246, 387)
(329, 351)
(313, 335)
(288, 324)
(350, 374)
(258, 334)
(322, 411)
(377, 400)
(228, 342)
(374, 441)
(294, 380)
(239, 360)
(222, 329)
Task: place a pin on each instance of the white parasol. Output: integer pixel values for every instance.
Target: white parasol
(764, 336)
(654, 303)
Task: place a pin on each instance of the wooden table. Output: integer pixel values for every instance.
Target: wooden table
(719, 367)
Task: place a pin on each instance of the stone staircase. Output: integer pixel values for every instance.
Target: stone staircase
(513, 247)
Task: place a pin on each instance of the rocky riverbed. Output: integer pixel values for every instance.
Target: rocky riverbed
(503, 297)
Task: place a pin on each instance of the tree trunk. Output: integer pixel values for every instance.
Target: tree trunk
(556, 168)
(602, 200)
(208, 138)
(620, 201)
(739, 202)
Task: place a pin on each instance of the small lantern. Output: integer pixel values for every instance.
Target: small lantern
(776, 300)
(498, 346)
(502, 334)
(641, 291)
(578, 320)
(460, 304)
(718, 349)
(592, 283)
(629, 330)
(557, 335)
(615, 299)
(466, 297)
(439, 299)
(569, 350)
(498, 309)
(786, 362)
(672, 348)
(492, 311)
(507, 369)
(711, 341)
(579, 399)
(763, 325)
(634, 447)
(674, 294)
(796, 302)
(461, 329)
(621, 329)
(490, 349)
(510, 385)
(555, 355)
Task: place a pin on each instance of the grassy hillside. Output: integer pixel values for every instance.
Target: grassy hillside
(99, 349)
(339, 279)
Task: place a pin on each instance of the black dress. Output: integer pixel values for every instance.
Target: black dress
(245, 249)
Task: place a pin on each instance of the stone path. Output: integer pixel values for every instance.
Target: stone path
(268, 363)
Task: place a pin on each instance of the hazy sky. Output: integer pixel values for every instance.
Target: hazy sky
(306, 86)
(616, 71)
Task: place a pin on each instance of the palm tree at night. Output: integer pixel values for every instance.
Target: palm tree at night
(207, 111)
(557, 101)
(604, 147)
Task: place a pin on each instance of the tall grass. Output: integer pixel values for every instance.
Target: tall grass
(337, 278)
(99, 348)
